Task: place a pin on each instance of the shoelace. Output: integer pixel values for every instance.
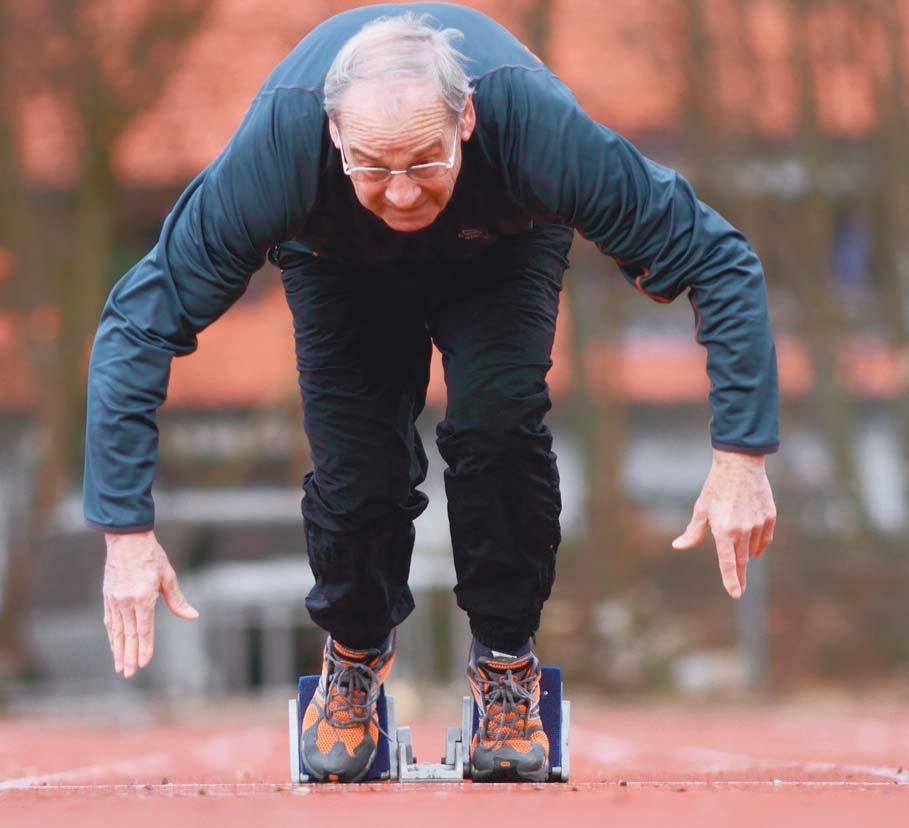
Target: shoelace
(508, 693)
(348, 681)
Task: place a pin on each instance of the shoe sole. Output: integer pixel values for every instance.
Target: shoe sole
(509, 775)
(341, 780)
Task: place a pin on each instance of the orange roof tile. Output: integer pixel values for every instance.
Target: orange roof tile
(623, 59)
(246, 359)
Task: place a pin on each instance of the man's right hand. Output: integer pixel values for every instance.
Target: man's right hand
(136, 570)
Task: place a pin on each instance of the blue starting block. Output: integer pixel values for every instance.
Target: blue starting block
(394, 758)
(384, 765)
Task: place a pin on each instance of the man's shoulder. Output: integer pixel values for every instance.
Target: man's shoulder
(510, 94)
(486, 44)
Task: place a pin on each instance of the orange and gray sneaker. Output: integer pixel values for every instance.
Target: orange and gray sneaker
(509, 743)
(340, 730)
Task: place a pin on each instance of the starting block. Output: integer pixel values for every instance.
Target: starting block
(394, 757)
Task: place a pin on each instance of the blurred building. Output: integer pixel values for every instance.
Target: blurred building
(232, 451)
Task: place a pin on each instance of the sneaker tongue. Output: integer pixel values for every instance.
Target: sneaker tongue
(501, 662)
(348, 656)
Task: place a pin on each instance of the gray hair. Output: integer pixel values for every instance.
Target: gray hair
(401, 48)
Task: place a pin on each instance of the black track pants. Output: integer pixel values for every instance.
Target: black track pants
(363, 341)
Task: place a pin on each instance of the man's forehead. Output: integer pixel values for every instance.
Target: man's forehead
(377, 145)
(391, 109)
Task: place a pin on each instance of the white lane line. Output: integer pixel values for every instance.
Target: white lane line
(219, 752)
(719, 760)
(149, 763)
(171, 789)
(897, 775)
(603, 749)
(755, 783)
(185, 789)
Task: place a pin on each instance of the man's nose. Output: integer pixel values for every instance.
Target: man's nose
(402, 192)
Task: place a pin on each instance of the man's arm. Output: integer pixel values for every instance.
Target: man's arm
(254, 195)
(558, 162)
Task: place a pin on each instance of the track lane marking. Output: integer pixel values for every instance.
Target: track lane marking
(186, 789)
(217, 753)
(597, 747)
(604, 749)
(146, 763)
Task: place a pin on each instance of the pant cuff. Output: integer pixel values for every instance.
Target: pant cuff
(502, 635)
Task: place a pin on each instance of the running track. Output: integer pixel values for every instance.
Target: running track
(808, 764)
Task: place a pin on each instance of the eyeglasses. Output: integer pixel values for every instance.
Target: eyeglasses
(416, 172)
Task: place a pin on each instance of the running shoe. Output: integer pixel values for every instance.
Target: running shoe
(509, 744)
(340, 730)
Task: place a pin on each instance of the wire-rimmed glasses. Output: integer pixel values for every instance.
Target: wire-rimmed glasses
(416, 172)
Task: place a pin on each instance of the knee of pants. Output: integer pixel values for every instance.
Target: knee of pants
(357, 501)
(484, 430)
(361, 587)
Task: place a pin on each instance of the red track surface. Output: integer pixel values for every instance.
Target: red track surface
(743, 766)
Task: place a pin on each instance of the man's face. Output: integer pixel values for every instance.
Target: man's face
(420, 130)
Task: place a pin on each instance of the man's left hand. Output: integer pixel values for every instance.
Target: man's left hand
(737, 503)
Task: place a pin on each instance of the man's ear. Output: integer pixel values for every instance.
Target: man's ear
(335, 134)
(468, 119)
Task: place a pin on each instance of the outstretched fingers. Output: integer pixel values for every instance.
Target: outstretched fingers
(174, 598)
(766, 535)
(114, 623)
(742, 554)
(145, 630)
(131, 641)
(730, 569)
(695, 531)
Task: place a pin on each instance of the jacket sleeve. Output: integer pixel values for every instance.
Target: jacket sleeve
(559, 163)
(217, 235)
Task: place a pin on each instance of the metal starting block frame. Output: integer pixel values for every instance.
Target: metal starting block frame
(394, 757)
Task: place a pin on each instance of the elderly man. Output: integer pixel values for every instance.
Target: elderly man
(410, 194)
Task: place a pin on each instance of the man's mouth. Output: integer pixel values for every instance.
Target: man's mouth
(407, 217)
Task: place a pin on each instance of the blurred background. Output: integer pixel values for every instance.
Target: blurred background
(789, 116)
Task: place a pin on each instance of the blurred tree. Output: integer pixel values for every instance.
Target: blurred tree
(810, 230)
(711, 143)
(594, 296)
(704, 125)
(95, 66)
(889, 23)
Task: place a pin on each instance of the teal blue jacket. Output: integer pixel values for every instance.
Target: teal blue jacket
(535, 156)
